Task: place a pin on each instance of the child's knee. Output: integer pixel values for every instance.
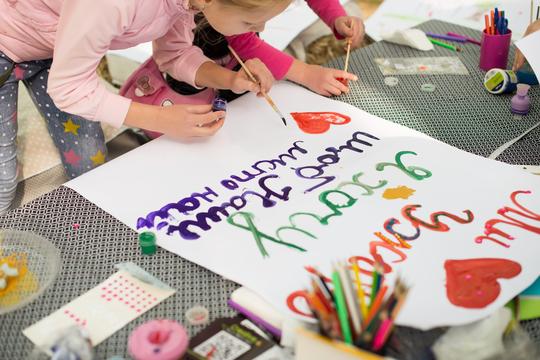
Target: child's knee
(84, 156)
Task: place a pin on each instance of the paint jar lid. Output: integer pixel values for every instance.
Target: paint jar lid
(147, 240)
(197, 315)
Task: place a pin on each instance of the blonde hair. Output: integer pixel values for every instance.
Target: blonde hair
(251, 4)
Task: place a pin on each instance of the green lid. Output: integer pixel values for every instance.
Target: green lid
(147, 240)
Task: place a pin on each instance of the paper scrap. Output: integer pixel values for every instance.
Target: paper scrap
(102, 311)
(443, 65)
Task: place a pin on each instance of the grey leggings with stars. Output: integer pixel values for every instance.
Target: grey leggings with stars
(80, 142)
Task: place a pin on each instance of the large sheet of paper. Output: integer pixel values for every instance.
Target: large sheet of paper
(399, 14)
(260, 202)
(530, 47)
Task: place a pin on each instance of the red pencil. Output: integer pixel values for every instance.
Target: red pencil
(487, 30)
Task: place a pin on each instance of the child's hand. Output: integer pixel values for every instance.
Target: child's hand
(324, 81)
(185, 121)
(350, 27)
(242, 82)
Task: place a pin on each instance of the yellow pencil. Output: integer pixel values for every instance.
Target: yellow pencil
(360, 290)
(266, 96)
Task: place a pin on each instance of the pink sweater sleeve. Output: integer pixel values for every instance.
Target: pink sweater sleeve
(328, 11)
(175, 53)
(84, 34)
(250, 46)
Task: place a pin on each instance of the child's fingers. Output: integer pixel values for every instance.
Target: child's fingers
(201, 120)
(208, 129)
(333, 90)
(339, 85)
(199, 109)
(344, 75)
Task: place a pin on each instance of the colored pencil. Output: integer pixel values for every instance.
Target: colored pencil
(496, 20)
(532, 10)
(471, 40)
(351, 300)
(492, 23)
(341, 308)
(381, 335)
(446, 37)
(375, 306)
(375, 278)
(538, 12)
(445, 45)
(266, 96)
(487, 30)
(360, 290)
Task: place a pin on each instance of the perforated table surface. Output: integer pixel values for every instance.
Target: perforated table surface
(90, 251)
(459, 112)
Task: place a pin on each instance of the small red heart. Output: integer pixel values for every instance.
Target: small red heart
(473, 283)
(318, 122)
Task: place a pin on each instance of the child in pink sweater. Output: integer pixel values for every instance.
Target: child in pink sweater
(54, 47)
(316, 78)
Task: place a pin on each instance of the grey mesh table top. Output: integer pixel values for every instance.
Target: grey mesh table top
(90, 252)
(459, 112)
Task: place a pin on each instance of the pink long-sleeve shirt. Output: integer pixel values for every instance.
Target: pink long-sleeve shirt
(78, 33)
(249, 46)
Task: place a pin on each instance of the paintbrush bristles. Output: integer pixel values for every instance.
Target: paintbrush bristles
(250, 75)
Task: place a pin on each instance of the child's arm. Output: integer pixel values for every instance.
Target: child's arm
(175, 54)
(335, 16)
(84, 34)
(282, 66)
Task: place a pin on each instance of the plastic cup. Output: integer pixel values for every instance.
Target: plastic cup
(494, 50)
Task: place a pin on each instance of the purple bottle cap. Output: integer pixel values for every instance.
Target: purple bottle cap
(521, 102)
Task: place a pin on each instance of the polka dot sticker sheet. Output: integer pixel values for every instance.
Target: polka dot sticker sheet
(103, 310)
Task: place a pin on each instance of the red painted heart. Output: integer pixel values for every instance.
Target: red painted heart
(318, 122)
(473, 283)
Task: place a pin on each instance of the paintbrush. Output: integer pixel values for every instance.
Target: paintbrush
(266, 96)
(349, 42)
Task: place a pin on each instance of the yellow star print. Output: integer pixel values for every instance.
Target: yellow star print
(71, 127)
(98, 159)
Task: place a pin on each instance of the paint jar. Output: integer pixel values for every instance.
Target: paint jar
(521, 102)
(499, 81)
(158, 340)
(494, 50)
(147, 240)
(219, 104)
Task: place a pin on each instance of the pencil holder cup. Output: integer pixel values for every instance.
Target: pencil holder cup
(494, 50)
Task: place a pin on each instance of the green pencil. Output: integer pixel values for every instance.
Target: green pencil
(341, 306)
(444, 45)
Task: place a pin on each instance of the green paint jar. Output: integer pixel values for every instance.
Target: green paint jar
(147, 240)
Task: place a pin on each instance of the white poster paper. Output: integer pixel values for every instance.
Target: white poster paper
(530, 47)
(260, 201)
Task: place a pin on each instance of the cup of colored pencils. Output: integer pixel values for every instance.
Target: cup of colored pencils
(357, 313)
(495, 43)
